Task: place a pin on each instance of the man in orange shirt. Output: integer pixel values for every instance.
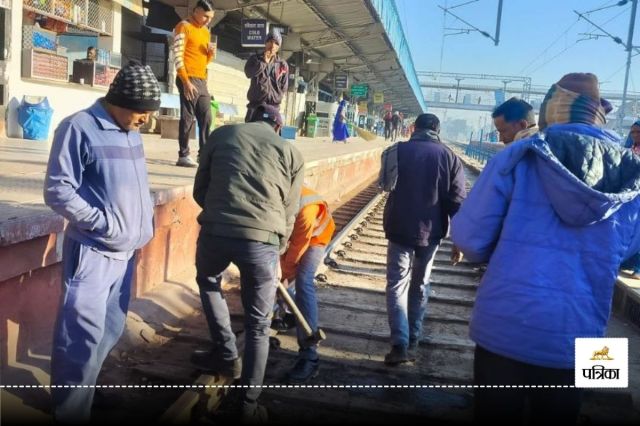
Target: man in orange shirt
(312, 232)
(193, 52)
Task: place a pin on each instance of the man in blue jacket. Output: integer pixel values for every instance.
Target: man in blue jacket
(426, 189)
(554, 215)
(97, 180)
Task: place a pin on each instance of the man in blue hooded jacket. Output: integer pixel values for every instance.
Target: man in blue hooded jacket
(554, 215)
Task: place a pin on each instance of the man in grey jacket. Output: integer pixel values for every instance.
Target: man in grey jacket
(97, 180)
(269, 76)
(248, 184)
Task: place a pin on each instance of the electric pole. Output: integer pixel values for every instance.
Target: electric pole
(629, 46)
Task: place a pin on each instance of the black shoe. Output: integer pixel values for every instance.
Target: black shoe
(209, 362)
(398, 355)
(106, 401)
(286, 323)
(303, 371)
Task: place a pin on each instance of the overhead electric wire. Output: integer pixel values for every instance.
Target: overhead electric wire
(550, 46)
(564, 33)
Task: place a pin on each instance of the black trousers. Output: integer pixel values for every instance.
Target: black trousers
(200, 109)
(508, 406)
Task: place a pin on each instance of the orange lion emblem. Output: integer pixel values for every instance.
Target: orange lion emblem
(601, 354)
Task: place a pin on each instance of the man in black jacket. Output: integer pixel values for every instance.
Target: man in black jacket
(248, 184)
(429, 189)
(269, 76)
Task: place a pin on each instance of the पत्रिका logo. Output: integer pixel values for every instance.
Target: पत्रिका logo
(600, 372)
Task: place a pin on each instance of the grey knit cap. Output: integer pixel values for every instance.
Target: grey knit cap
(135, 87)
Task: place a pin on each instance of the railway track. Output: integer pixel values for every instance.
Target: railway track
(352, 310)
(354, 384)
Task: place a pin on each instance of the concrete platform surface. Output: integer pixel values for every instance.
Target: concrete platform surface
(23, 166)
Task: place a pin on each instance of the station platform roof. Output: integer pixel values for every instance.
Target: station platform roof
(361, 37)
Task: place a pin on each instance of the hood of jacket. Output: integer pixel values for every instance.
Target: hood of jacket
(585, 172)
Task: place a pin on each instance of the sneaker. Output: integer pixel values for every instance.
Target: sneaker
(303, 371)
(186, 162)
(208, 361)
(398, 355)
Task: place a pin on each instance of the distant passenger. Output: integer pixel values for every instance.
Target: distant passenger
(340, 130)
(554, 216)
(387, 125)
(427, 186)
(396, 120)
(514, 120)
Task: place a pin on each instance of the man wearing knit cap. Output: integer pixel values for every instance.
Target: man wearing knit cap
(554, 215)
(97, 180)
(269, 76)
(248, 184)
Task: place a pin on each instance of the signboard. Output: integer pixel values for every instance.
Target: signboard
(253, 32)
(341, 81)
(378, 98)
(360, 90)
(282, 29)
(363, 106)
(388, 106)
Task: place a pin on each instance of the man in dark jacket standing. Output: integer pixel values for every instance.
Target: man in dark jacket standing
(269, 76)
(248, 184)
(429, 189)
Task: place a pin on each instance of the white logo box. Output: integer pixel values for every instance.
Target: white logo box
(602, 363)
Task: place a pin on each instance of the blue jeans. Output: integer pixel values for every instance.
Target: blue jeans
(408, 272)
(91, 319)
(257, 263)
(306, 296)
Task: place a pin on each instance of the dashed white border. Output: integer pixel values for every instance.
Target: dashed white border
(292, 386)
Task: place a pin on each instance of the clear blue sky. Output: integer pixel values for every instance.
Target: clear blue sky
(529, 27)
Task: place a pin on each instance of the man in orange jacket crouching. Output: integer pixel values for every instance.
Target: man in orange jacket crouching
(311, 233)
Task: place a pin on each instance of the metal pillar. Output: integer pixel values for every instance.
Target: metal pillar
(497, 38)
(457, 88)
(632, 24)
